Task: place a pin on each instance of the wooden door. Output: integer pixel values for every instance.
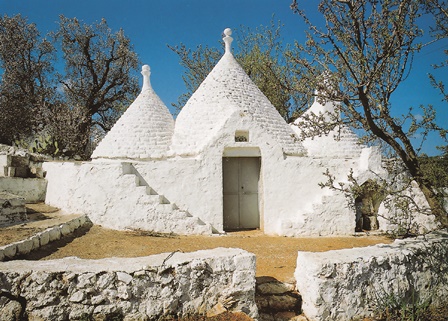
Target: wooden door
(241, 177)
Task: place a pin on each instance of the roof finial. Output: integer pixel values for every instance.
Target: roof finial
(227, 39)
(146, 71)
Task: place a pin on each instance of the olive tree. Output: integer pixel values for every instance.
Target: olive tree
(26, 87)
(363, 50)
(98, 79)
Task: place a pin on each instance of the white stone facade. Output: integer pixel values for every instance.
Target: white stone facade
(149, 173)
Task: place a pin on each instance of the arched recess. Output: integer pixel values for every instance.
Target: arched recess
(368, 200)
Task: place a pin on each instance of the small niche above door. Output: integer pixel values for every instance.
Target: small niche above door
(241, 136)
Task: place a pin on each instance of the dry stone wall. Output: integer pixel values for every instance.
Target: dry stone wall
(144, 288)
(355, 283)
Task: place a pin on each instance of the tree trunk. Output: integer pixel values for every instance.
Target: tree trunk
(434, 201)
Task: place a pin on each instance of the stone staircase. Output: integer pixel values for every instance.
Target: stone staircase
(277, 301)
(162, 215)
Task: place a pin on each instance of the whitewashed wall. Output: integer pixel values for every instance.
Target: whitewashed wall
(355, 283)
(169, 284)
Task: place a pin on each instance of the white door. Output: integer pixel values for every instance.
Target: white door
(240, 191)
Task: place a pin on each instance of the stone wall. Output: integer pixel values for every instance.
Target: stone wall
(54, 233)
(170, 284)
(33, 190)
(344, 284)
(21, 173)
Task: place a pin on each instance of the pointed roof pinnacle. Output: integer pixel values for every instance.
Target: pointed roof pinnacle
(227, 39)
(146, 71)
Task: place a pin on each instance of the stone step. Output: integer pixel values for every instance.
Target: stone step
(277, 300)
(150, 199)
(131, 179)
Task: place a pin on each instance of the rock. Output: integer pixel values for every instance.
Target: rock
(216, 310)
(77, 297)
(283, 303)
(274, 287)
(11, 311)
(65, 229)
(25, 246)
(10, 250)
(54, 233)
(124, 277)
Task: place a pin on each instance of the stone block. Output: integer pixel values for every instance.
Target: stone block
(36, 242)
(44, 237)
(11, 172)
(65, 229)
(54, 233)
(5, 160)
(73, 224)
(19, 161)
(25, 246)
(9, 250)
(21, 172)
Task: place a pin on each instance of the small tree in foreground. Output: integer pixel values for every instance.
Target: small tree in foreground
(366, 47)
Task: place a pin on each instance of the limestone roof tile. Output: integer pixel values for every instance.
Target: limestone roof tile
(225, 91)
(144, 130)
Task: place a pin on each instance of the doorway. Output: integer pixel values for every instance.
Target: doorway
(241, 176)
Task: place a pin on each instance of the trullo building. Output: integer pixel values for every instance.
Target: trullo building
(228, 162)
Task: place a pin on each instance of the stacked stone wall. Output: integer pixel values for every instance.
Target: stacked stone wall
(170, 284)
(356, 283)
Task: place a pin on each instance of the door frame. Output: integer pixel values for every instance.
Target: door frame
(246, 153)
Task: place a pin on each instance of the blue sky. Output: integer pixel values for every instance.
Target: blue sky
(151, 25)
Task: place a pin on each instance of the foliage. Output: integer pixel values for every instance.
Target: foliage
(45, 145)
(435, 170)
(261, 54)
(26, 63)
(359, 58)
(98, 66)
(197, 64)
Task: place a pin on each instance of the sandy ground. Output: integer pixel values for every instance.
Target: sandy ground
(276, 256)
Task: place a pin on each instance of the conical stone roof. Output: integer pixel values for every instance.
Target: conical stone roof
(340, 142)
(144, 131)
(225, 91)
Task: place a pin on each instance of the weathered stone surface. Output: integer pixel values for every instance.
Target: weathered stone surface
(344, 284)
(274, 287)
(10, 311)
(25, 246)
(9, 250)
(65, 230)
(54, 234)
(143, 288)
(44, 237)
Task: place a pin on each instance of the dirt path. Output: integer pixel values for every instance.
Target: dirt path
(276, 256)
